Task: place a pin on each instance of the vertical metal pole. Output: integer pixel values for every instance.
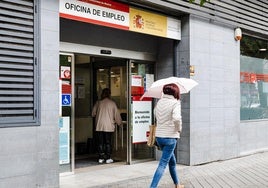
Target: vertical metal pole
(72, 114)
(129, 114)
(116, 132)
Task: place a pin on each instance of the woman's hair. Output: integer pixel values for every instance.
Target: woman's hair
(172, 89)
(106, 93)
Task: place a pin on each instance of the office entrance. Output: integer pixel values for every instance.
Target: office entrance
(100, 72)
(88, 76)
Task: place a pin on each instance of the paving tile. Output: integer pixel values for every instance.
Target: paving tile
(244, 172)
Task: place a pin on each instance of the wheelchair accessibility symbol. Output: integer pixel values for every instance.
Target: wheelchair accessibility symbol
(66, 100)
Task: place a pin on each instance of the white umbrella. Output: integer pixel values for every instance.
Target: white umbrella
(184, 84)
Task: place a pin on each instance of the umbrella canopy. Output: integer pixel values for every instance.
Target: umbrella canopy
(156, 89)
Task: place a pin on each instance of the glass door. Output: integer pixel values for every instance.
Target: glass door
(66, 133)
(141, 76)
(112, 73)
(127, 80)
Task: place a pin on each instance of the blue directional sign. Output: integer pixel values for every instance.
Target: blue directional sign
(66, 99)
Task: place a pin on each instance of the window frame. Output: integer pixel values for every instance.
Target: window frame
(252, 50)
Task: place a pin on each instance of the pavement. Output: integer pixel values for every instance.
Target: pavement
(245, 172)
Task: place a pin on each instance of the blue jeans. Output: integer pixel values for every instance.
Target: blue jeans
(167, 145)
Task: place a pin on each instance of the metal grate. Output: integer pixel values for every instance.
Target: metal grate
(17, 63)
(250, 15)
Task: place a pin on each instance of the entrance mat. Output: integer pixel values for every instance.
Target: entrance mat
(90, 161)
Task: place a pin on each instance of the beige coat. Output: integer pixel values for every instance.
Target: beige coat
(107, 115)
(168, 116)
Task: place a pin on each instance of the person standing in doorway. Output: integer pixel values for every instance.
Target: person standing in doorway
(107, 117)
(168, 129)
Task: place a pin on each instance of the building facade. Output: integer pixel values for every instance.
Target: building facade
(29, 87)
(45, 115)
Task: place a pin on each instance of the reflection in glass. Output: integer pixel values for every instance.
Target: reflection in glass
(253, 79)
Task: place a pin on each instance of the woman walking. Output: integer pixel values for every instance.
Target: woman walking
(168, 117)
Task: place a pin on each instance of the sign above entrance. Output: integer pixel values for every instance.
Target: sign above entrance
(120, 16)
(154, 24)
(106, 13)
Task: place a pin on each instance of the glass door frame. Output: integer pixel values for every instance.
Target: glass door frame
(129, 111)
(72, 116)
(129, 146)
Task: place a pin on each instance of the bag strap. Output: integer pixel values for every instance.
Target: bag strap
(154, 123)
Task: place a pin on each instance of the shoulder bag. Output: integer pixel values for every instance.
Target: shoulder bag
(151, 138)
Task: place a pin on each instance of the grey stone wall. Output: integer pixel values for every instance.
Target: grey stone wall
(48, 133)
(164, 62)
(212, 129)
(183, 148)
(29, 155)
(165, 68)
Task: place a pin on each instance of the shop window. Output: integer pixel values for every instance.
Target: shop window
(253, 78)
(19, 94)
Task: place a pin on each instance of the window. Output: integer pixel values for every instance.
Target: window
(18, 64)
(253, 78)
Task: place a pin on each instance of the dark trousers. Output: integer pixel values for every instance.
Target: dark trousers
(104, 144)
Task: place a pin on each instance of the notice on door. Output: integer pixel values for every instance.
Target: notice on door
(64, 140)
(142, 118)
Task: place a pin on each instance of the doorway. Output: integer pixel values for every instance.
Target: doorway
(127, 80)
(92, 75)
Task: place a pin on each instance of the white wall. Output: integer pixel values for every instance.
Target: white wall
(253, 137)
(215, 102)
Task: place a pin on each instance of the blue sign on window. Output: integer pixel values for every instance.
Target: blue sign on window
(66, 99)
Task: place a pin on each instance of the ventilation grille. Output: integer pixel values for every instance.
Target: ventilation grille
(250, 15)
(17, 102)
